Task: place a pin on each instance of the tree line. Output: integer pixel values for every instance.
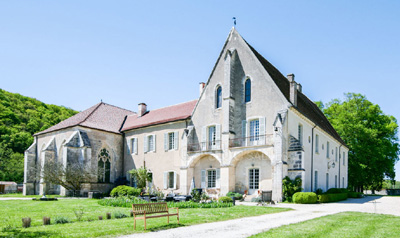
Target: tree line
(20, 118)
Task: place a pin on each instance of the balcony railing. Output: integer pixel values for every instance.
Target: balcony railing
(204, 146)
(251, 141)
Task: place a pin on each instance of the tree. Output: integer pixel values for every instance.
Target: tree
(142, 176)
(71, 177)
(371, 137)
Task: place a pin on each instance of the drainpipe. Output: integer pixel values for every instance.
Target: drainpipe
(312, 156)
(37, 158)
(339, 165)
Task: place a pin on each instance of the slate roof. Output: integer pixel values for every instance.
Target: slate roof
(101, 116)
(304, 105)
(167, 114)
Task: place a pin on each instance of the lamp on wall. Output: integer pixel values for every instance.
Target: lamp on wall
(210, 166)
(252, 164)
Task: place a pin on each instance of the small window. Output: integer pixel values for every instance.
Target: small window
(344, 158)
(134, 146)
(327, 149)
(255, 130)
(335, 181)
(211, 178)
(218, 101)
(343, 182)
(171, 141)
(247, 91)
(103, 166)
(300, 134)
(317, 143)
(150, 143)
(212, 133)
(315, 180)
(327, 181)
(336, 155)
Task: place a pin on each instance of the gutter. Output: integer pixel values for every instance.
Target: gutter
(312, 156)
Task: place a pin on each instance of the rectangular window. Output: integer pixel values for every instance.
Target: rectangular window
(211, 178)
(336, 154)
(134, 146)
(150, 143)
(300, 131)
(254, 130)
(315, 180)
(344, 158)
(171, 141)
(327, 149)
(343, 182)
(211, 136)
(316, 143)
(327, 181)
(336, 181)
(171, 181)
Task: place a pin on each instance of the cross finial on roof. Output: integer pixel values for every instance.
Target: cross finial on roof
(234, 21)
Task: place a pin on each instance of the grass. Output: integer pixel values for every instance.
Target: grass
(347, 224)
(12, 211)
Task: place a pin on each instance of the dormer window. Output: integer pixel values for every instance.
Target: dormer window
(247, 90)
(218, 97)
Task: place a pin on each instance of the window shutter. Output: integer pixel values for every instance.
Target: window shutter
(203, 137)
(262, 126)
(218, 183)
(146, 138)
(176, 138)
(154, 143)
(135, 146)
(174, 180)
(218, 136)
(165, 180)
(203, 178)
(166, 141)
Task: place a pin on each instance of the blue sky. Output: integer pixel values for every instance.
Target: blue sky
(76, 53)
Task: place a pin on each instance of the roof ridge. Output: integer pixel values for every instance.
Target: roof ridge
(173, 105)
(118, 107)
(91, 113)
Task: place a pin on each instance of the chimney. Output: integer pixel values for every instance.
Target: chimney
(293, 89)
(201, 87)
(142, 109)
(299, 88)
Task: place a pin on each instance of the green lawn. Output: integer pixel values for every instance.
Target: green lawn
(347, 224)
(19, 195)
(12, 211)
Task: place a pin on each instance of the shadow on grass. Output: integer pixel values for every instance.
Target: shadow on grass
(25, 233)
(166, 227)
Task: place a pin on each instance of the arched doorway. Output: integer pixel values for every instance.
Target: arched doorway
(253, 172)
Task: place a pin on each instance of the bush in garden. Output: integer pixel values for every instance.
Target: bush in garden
(333, 197)
(354, 195)
(119, 214)
(46, 221)
(337, 190)
(305, 197)
(237, 196)
(291, 187)
(319, 191)
(61, 220)
(124, 190)
(225, 199)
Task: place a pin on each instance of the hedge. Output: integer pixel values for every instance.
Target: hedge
(305, 197)
(334, 197)
(225, 199)
(337, 190)
(355, 195)
(125, 191)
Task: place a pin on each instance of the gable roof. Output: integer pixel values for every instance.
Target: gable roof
(304, 105)
(101, 116)
(167, 114)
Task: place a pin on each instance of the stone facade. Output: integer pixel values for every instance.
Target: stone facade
(249, 129)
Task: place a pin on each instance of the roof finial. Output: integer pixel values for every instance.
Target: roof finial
(234, 21)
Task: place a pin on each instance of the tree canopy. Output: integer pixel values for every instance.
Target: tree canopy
(371, 137)
(20, 118)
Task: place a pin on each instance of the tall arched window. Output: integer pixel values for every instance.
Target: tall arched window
(218, 101)
(247, 90)
(103, 166)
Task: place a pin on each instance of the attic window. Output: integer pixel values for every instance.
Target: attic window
(247, 90)
(218, 97)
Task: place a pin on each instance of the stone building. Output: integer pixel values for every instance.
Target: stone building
(249, 128)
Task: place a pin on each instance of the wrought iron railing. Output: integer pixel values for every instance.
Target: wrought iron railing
(204, 146)
(251, 141)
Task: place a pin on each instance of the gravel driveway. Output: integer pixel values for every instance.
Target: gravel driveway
(245, 227)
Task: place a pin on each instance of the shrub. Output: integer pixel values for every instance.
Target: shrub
(333, 197)
(121, 201)
(119, 215)
(26, 222)
(79, 211)
(61, 220)
(225, 199)
(354, 195)
(305, 197)
(237, 196)
(46, 221)
(337, 190)
(124, 190)
(291, 187)
(318, 191)
(191, 204)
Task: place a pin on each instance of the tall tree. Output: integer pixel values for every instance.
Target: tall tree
(371, 137)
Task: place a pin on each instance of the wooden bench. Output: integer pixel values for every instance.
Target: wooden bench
(152, 208)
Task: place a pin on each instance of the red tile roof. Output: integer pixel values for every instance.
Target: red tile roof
(167, 114)
(101, 116)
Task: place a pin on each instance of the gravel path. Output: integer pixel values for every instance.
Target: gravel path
(245, 227)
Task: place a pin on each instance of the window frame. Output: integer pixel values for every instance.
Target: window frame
(218, 97)
(213, 179)
(134, 145)
(316, 143)
(247, 90)
(327, 150)
(300, 133)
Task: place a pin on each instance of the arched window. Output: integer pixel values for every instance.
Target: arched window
(247, 90)
(218, 101)
(103, 166)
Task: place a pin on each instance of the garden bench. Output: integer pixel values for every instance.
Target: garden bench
(152, 208)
